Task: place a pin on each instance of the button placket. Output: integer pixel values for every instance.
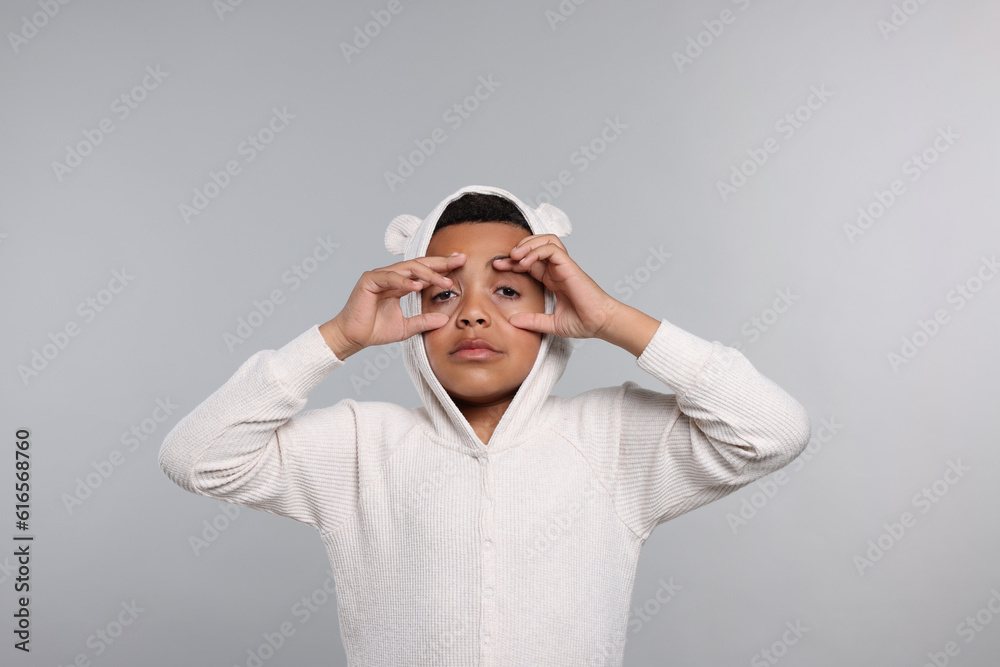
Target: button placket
(488, 547)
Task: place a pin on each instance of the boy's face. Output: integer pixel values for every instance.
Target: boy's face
(478, 305)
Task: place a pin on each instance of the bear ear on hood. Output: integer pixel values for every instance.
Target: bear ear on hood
(400, 232)
(555, 219)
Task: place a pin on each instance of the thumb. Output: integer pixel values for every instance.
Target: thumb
(426, 322)
(532, 321)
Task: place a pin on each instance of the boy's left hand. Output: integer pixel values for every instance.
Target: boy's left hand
(583, 309)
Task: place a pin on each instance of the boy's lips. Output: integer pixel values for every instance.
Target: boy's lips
(473, 344)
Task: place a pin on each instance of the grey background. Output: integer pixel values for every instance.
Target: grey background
(162, 337)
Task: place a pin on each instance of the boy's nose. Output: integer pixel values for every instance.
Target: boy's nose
(474, 311)
(473, 315)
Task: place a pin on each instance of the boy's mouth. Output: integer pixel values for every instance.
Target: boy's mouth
(474, 348)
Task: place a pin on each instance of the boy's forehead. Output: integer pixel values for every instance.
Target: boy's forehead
(482, 237)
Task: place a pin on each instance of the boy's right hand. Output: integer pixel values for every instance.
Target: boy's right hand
(373, 316)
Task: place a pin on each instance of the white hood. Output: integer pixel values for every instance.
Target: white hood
(409, 236)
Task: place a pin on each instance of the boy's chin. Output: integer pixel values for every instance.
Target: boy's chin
(471, 395)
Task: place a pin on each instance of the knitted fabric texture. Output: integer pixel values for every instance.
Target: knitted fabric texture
(449, 551)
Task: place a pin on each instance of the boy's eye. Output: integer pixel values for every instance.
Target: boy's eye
(435, 297)
(512, 293)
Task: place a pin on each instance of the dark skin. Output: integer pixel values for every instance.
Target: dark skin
(479, 305)
(372, 315)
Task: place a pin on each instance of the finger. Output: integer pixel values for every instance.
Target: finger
(519, 254)
(426, 275)
(424, 322)
(530, 242)
(540, 322)
(436, 262)
(513, 265)
(506, 264)
(441, 263)
(429, 270)
(545, 251)
(386, 281)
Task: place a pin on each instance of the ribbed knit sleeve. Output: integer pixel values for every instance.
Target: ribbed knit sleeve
(725, 426)
(247, 444)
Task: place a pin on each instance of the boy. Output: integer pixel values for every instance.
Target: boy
(496, 524)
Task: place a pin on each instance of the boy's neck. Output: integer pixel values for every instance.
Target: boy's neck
(484, 418)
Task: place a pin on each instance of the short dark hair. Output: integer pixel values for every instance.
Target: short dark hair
(480, 207)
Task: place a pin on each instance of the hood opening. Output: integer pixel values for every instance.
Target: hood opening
(410, 236)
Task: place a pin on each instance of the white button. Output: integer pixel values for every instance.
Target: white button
(486, 639)
(488, 501)
(488, 592)
(487, 544)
